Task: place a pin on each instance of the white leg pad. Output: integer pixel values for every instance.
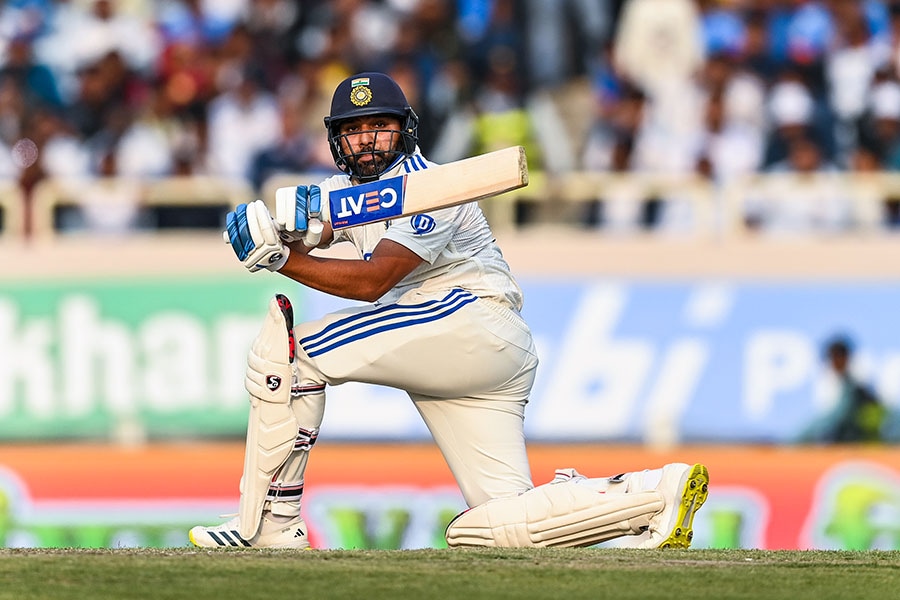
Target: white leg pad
(272, 427)
(561, 514)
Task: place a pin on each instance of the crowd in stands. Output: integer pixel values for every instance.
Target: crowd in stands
(238, 88)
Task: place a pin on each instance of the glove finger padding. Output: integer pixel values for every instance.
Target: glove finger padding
(254, 239)
(238, 232)
(295, 206)
(262, 224)
(285, 215)
(270, 252)
(314, 206)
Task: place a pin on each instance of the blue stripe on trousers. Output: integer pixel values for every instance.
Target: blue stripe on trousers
(383, 319)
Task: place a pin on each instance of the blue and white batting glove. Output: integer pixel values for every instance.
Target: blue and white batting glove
(253, 236)
(298, 210)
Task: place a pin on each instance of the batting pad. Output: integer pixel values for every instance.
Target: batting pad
(562, 514)
(272, 426)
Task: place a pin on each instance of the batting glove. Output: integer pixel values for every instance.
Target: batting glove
(252, 234)
(297, 210)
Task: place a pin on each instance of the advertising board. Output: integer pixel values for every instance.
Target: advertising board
(402, 495)
(658, 362)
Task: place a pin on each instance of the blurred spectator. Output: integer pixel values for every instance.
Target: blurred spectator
(106, 28)
(241, 122)
(61, 150)
(235, 55)
(562, 35)
(499, 33)
(659, 47)
(880, 129)
(185, 74)
(619, 113)
(432, 54)
(272, 26)
(107, 204)
(200, 23)
(501, 118)
(724, 27)
(794, 112)
(800, 32)
(879, 143)
(449, 101)
(37, 81)
(808, 198)
(854, 412)
(734, 126)
(609, 147)
(755, 53)
(351, 31)
(107, 87)
(850, 67)
(12, 109)
(659, 86)
(658, 44)
(497, 114)
(147, 147)
(308, 86)
(893, 34)
(297, 150)
(25, 17)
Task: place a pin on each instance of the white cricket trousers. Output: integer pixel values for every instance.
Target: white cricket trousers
(467, 363)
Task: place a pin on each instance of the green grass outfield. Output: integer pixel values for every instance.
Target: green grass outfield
(617, 574)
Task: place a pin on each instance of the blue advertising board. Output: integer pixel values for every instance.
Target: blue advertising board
(701, 361)
(656, 362)
(681, 361)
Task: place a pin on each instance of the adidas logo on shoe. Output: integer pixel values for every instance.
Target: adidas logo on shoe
(271, 534)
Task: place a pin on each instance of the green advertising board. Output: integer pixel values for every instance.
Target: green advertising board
(129, 359)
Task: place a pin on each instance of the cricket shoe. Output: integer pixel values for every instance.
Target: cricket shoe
(274, 532)
(684, 489)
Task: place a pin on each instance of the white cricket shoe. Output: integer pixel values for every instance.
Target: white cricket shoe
(272, 534)
(684, 489)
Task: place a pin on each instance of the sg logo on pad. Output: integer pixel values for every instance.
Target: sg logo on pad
(368, 202)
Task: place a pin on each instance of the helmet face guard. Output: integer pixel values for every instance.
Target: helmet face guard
(401, 144)
(370, 94)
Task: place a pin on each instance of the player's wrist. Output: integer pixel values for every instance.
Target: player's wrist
(277, 262)
(298, 247)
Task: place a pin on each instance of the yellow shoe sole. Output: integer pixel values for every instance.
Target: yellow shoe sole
(694, 494)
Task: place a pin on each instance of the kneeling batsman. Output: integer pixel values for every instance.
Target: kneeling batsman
(656, 506)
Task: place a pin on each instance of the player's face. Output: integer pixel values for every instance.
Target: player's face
(372, 142)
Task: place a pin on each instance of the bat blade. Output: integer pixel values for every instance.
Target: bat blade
(441, 186)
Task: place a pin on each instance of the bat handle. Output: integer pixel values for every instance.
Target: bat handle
(313, 236)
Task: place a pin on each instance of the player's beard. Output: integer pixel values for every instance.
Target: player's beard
(371, 162)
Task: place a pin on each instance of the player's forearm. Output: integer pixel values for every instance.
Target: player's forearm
(344, 278)
(366, 280)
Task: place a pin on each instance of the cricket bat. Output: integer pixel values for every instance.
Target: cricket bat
(436, 187)
(440, 186)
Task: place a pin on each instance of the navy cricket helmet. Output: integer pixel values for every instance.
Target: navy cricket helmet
(367, 94)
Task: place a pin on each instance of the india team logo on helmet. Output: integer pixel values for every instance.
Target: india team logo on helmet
(366, 94)
(360, 94)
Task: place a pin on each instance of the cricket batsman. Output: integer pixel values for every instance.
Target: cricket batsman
(443, 324)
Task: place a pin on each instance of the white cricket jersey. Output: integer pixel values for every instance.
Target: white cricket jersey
(456, 244)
